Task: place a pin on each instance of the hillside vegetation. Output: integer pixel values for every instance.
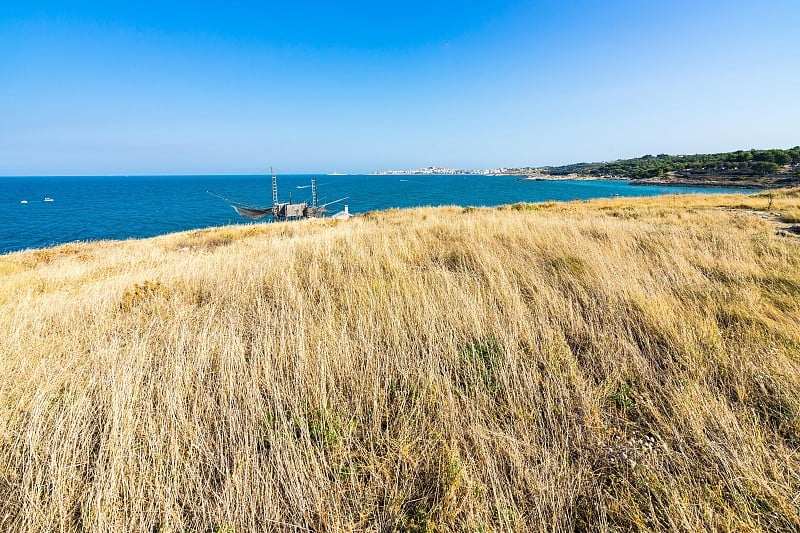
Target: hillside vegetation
(613, 365)
(740, 164)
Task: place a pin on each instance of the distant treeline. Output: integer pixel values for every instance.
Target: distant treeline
(753, 162)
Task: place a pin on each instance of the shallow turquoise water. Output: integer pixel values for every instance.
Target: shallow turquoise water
(93, 208)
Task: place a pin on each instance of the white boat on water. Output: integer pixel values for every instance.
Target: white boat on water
(23, 201)
(48, 199)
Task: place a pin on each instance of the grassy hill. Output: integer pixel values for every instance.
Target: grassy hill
(613, 365)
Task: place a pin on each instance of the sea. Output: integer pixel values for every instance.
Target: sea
(89, 208)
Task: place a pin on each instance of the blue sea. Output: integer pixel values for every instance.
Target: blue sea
(90, 208)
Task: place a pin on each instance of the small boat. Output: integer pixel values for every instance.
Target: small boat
(24, 201)
(48, 199)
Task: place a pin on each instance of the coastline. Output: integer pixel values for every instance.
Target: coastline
(567, 177)
(730, 183)
(750, 184)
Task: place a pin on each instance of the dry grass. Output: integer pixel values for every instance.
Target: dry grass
(791, 216)
(608, 365)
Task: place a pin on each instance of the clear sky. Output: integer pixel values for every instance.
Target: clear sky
(150, 87)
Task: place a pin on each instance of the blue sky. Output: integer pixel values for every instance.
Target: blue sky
(233, 87)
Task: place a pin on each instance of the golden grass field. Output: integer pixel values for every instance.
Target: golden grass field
(612, 365)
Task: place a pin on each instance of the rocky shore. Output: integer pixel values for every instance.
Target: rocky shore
(760, 182)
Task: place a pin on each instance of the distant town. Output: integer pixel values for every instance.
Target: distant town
(503, 171)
